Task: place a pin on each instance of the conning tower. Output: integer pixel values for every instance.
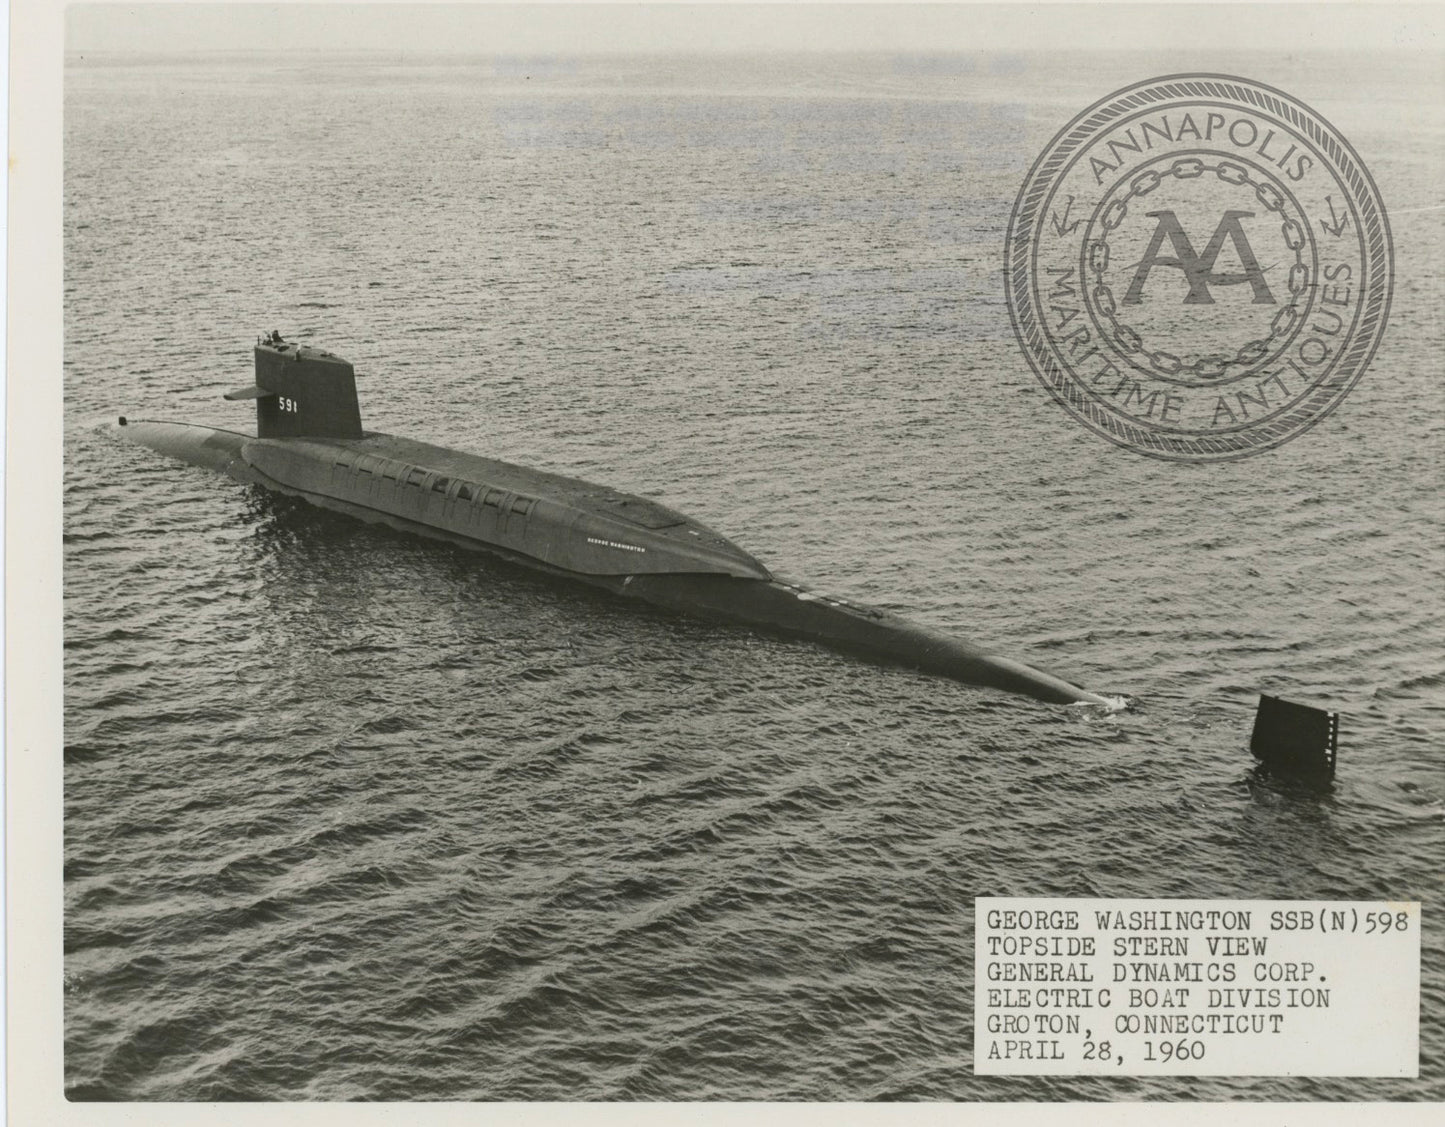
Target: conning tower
(301, 392)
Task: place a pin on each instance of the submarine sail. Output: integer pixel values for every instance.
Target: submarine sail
(310, 443)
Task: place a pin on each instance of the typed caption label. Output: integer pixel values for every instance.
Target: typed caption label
(1196, 987)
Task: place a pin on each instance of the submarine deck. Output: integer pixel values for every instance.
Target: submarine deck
(575, 524)
(522, 479)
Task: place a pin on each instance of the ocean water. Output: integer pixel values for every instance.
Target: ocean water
(355, 815)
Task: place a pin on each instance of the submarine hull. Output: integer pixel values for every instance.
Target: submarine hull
(779, 606)
(692, 570)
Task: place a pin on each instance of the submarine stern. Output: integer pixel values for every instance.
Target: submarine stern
(777, 606)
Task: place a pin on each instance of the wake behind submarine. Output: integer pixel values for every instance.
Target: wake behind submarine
(309, 443)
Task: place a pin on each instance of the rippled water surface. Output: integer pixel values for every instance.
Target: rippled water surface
(350, 814)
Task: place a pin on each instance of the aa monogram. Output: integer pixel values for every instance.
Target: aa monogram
(1199, 269)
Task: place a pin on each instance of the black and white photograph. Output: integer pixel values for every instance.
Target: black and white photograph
(727, 554)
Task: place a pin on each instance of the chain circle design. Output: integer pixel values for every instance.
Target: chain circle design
(1205, 368)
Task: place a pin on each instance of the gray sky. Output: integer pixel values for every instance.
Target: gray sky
(603, 27)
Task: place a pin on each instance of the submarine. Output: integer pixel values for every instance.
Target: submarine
(309, 443)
